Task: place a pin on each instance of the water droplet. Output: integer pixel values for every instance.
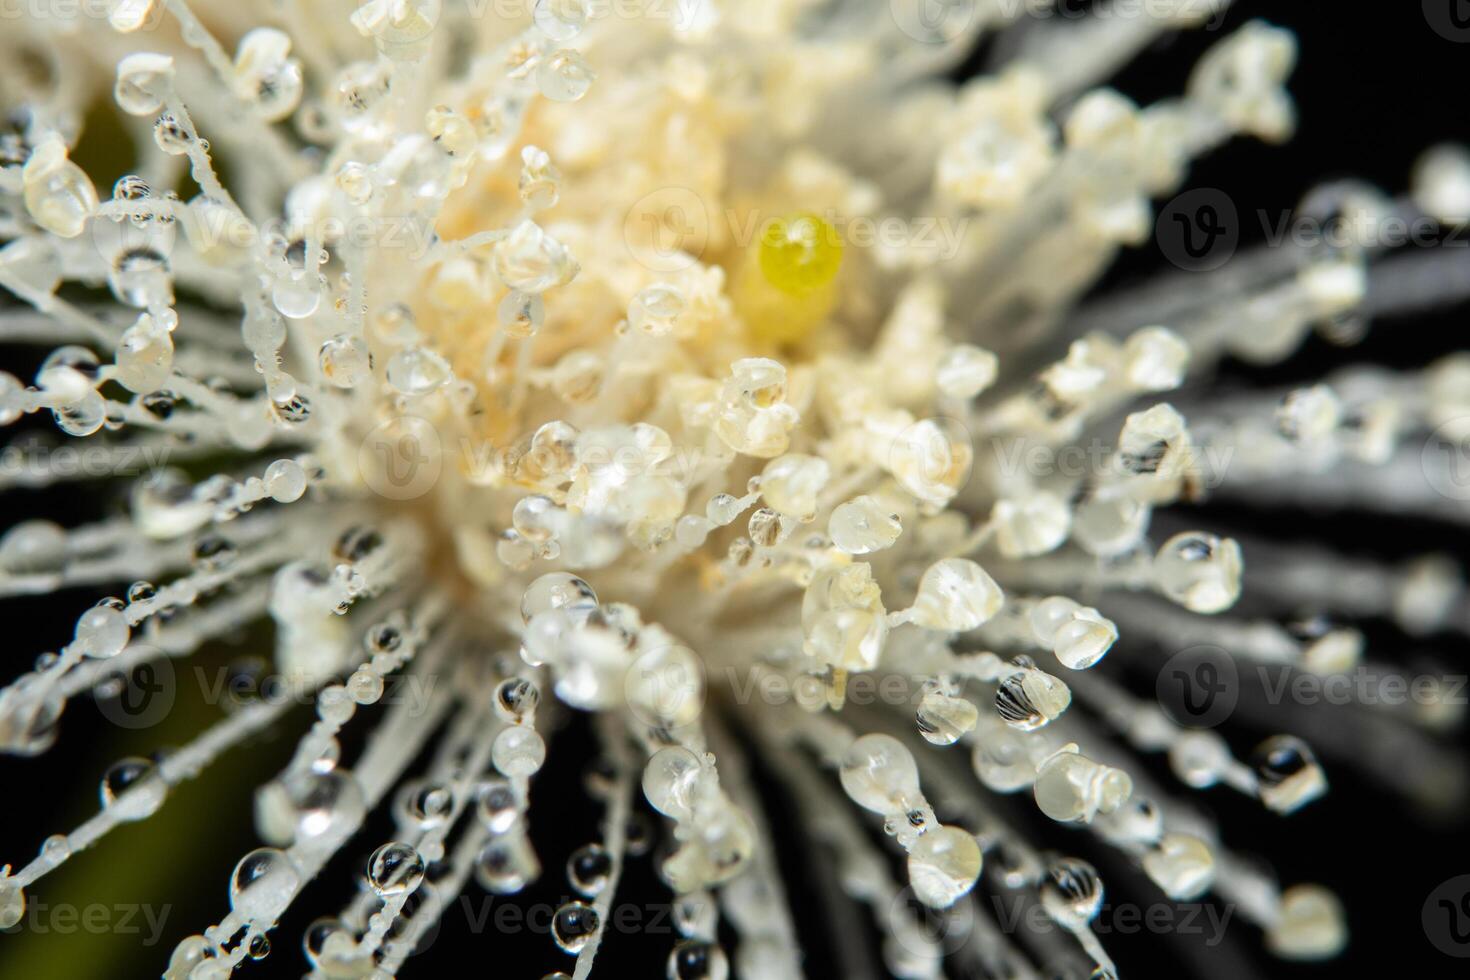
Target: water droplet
(515, 697)
(588, 869)
(498, 806)
(395, 868)
(102, 632)
(518, 751)
(560, 20)
(573, 925)
(1287, 773)
(133, 789)
(698, 960)
(431, 806)
(564, 76)
(344, 361)
(263, 885)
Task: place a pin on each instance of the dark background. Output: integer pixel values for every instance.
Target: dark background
(1375, 85)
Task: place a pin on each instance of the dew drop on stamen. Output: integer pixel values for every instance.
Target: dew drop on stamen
(516, 697)
(133, 789)
(695, 959)
(588, 869)
(943, 865)
(395, 869)
(573, 926)
(564, 76)
(944, 720)
(498, 806)
(1287, 773)
(504, 867)
(344, 361)
(518, 751)
(263, 885)
(559, 20)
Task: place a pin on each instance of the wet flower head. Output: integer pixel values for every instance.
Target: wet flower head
(700, 368)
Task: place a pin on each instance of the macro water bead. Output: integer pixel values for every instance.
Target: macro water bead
(701, 489)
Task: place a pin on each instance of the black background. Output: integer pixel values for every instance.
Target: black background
(1375, 85)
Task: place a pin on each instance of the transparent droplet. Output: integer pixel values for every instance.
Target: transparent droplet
(521, 314)
(943, 865)
(1071, 788)
(265, 75)
(260, 946)
(143, 80)
(944, 720)
(518, 751)
(365, 685)
(187, 955)
(557, 590)
(1287, 774)
(34, 548)
(395, 869)
(670, 781)
(695, 959)
(1072, 893)
(588, 869)
(133, 789)
(863, 525)
(1083, 638)
(170, 135)
(1031, 698)
(213, 552)
(102, 632)
(560, 20)
(345, 361)
(564, 76)
(285, 480)
(83, 417)
(655, 308)
(263, 885)
(1031, 525)
(296, 295)
(955, 595)
(395, 324)
(878, 772)
(418, 371)
(504, 867)
(498, 806)
(313, 810)
(515, 697)
(58, 194)
(1199, 571)
(574, 925)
